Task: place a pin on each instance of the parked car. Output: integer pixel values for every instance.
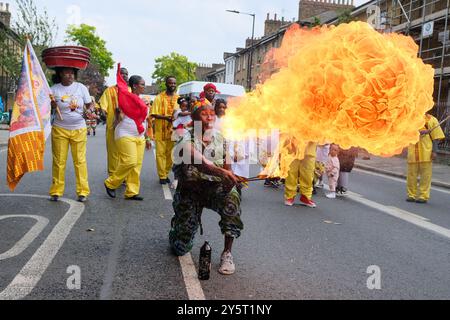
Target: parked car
(226, 90)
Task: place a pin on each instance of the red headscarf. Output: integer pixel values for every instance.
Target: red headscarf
(210, 86)
(130, 104)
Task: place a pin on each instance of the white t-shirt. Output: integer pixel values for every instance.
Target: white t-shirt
(322, 153)
(184, 120)
(75, 94)
(127, 128)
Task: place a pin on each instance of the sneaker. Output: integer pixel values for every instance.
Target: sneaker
(54, 198)
(168, 181)
(162, 182)
(135, 198)
(82, 199)
(331, 195)
(320, 185)
(344, 192)
(289, 202)
(304, 201)
(227, 266)
(111, 193)
(422, 201)
(410, 200)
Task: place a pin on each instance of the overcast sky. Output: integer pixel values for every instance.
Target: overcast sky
(138, 31)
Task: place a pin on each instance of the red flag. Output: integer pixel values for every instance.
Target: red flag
(130, 104)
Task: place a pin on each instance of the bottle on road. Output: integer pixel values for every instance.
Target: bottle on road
(204, 272)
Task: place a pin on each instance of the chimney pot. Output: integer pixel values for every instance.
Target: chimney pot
(1, 6)
(275, 17)
(268, 16)
(7, 7)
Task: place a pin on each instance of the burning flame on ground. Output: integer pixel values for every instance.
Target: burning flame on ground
(349, 85)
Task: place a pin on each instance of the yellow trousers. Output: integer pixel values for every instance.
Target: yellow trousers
(111, 148)
(301, 173)
(77, 140)
(164, 163)
(131, 152)
(424, 170)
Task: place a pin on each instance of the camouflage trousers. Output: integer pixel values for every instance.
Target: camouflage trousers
(188, 205)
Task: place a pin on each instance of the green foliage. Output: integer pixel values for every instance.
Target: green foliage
(345, 16)
(36, 25)
(85, 35)
(316, 22)
(10, 55)
(29, 22)
(174, 65)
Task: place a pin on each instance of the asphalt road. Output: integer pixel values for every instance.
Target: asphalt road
(121, 251)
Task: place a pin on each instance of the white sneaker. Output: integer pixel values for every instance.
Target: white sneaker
(227, 266)
(331, 195)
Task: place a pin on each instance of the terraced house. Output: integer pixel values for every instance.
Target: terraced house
(10, 53)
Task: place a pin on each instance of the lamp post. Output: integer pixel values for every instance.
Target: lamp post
(250, 60)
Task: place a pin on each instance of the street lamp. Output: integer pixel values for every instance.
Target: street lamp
(250, 62)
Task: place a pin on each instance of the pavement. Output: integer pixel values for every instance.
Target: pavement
(397, 167)
(4, 135)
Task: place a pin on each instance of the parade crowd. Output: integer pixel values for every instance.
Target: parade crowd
(213, 171)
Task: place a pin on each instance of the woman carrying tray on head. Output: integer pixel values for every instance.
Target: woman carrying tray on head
(69, 129)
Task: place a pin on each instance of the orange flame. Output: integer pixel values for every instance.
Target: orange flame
(348, 84)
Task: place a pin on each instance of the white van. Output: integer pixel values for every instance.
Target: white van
(226, 90)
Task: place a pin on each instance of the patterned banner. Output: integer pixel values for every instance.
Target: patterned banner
(30, 121)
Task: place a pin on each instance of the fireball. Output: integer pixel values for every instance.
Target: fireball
(348, 84)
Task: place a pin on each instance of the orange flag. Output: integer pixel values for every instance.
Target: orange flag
(30, 121)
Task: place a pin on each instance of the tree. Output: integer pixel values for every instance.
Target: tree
(29, 22)
(92, 78)
(85, 35)
(38, 26)
(345, 16)
(10, 54)
(173, 65)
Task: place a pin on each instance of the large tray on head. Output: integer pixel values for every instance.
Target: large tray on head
(67, 57)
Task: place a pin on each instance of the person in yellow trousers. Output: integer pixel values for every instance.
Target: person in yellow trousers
(109, 104)
(301, 174)
(131, 146)
(162, 112)
(420, 161)
(69, 130)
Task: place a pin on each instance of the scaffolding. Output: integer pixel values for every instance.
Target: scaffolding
(427, 22)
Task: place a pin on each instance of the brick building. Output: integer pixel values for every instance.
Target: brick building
(10, 43)
(237, 64)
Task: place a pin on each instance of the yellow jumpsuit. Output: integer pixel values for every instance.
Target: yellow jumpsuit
(77, 140)
(164, 105)
(109, 103)
(420, 163)
(302, 173)
(131, 152)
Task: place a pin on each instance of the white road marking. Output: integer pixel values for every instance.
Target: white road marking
(396, 179)
(190, 276)
(193, 286)
(167, 192)
(410, 217)
(24, 283)
(409, 213)
(31, 235)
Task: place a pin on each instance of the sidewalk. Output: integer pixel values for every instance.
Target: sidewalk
(397, 167)
(4, 135)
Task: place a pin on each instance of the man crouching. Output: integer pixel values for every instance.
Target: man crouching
(205, 180)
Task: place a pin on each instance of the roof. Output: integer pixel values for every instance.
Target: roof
(324, 16)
